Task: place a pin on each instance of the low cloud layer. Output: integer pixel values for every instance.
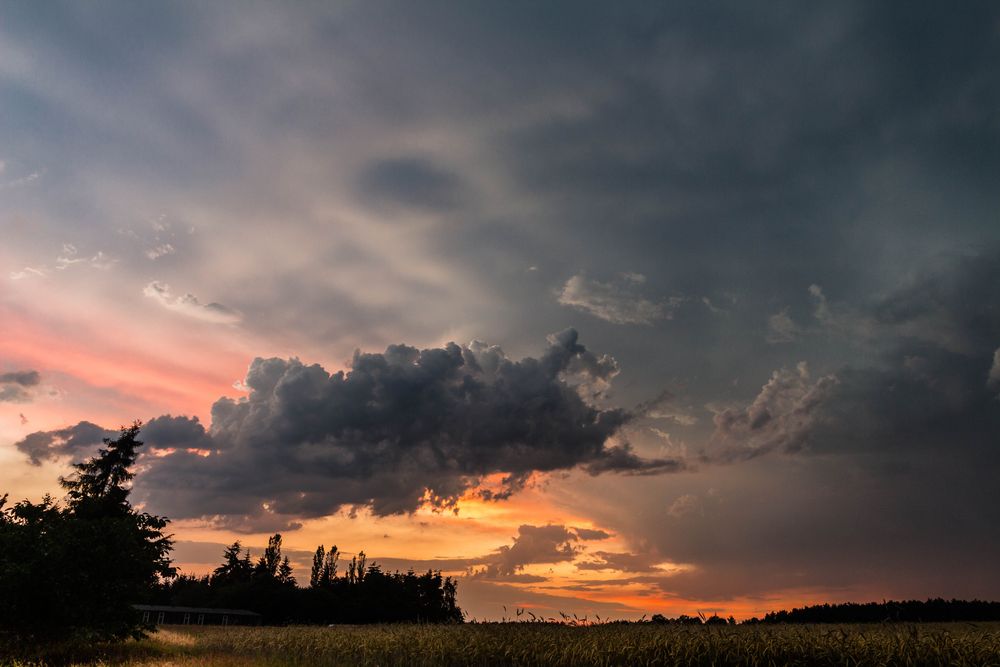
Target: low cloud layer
(399, 428)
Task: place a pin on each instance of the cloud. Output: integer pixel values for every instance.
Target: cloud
(592, 534)
(83, 439)
(617, 302)
(994, 377)
(895, 458)
(621, 562)
(686, 505)
(779, 418)
(664, 407)
(532, 544)
(78, 441)
(160, 251)
(70, 256)
(21, 181)
(14, 386)
(190, 305)
(397, 429)
(26, 272)
(22, 378)
(781, 328)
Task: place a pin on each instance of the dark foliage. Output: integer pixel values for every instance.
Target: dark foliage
(74, 571)
(364, 594)
(908, 611)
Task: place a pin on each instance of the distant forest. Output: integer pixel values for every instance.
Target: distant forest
(363, 593)
(908, 611)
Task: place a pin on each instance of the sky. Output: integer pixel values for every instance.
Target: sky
(604, 308)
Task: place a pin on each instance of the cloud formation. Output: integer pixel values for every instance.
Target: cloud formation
(399, 428)
(190, 305)
(79, 441)
(779, 418)
(14, 386)
(618, 302)
(781, 328)
(532, 544)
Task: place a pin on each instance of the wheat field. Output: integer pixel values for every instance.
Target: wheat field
(550, 644)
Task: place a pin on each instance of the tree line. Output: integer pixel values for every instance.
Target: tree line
(74, 570)
(935, 610)
(362, 593)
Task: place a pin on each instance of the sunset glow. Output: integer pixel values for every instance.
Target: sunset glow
(603, 310)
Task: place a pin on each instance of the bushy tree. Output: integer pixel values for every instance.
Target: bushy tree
(75, 571)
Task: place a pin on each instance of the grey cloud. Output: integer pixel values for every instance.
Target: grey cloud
(779, 418)
(994, 377)
(618, 302)
(592, 534)
(14, 393)
(532, 544)
(306, 442)
(896, 462)
(621, 562)
(168, 432)
(84, 438)
(14, 386)
(621, 458)
(23, 378)
(79, 440)
(935, 335)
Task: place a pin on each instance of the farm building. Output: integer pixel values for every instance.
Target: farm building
(167, 615)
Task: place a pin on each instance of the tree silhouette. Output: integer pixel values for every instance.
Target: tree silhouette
(365, 594)
(76, 570)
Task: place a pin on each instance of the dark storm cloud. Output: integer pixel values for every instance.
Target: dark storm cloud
(888, 468)
(306, 442)
(937, 337)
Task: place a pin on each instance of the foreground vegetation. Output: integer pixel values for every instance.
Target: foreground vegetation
(549, 644)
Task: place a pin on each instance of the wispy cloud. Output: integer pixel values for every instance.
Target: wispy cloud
(189, 305)
(27, 272)
(781, 328)
(618, 301)
(21, 181)
(160, 251)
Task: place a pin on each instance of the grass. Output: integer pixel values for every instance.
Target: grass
(547, 644)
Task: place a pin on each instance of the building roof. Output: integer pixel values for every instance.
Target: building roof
(194, 610)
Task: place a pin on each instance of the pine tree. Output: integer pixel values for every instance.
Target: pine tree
(77, 570)
(285, 572)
